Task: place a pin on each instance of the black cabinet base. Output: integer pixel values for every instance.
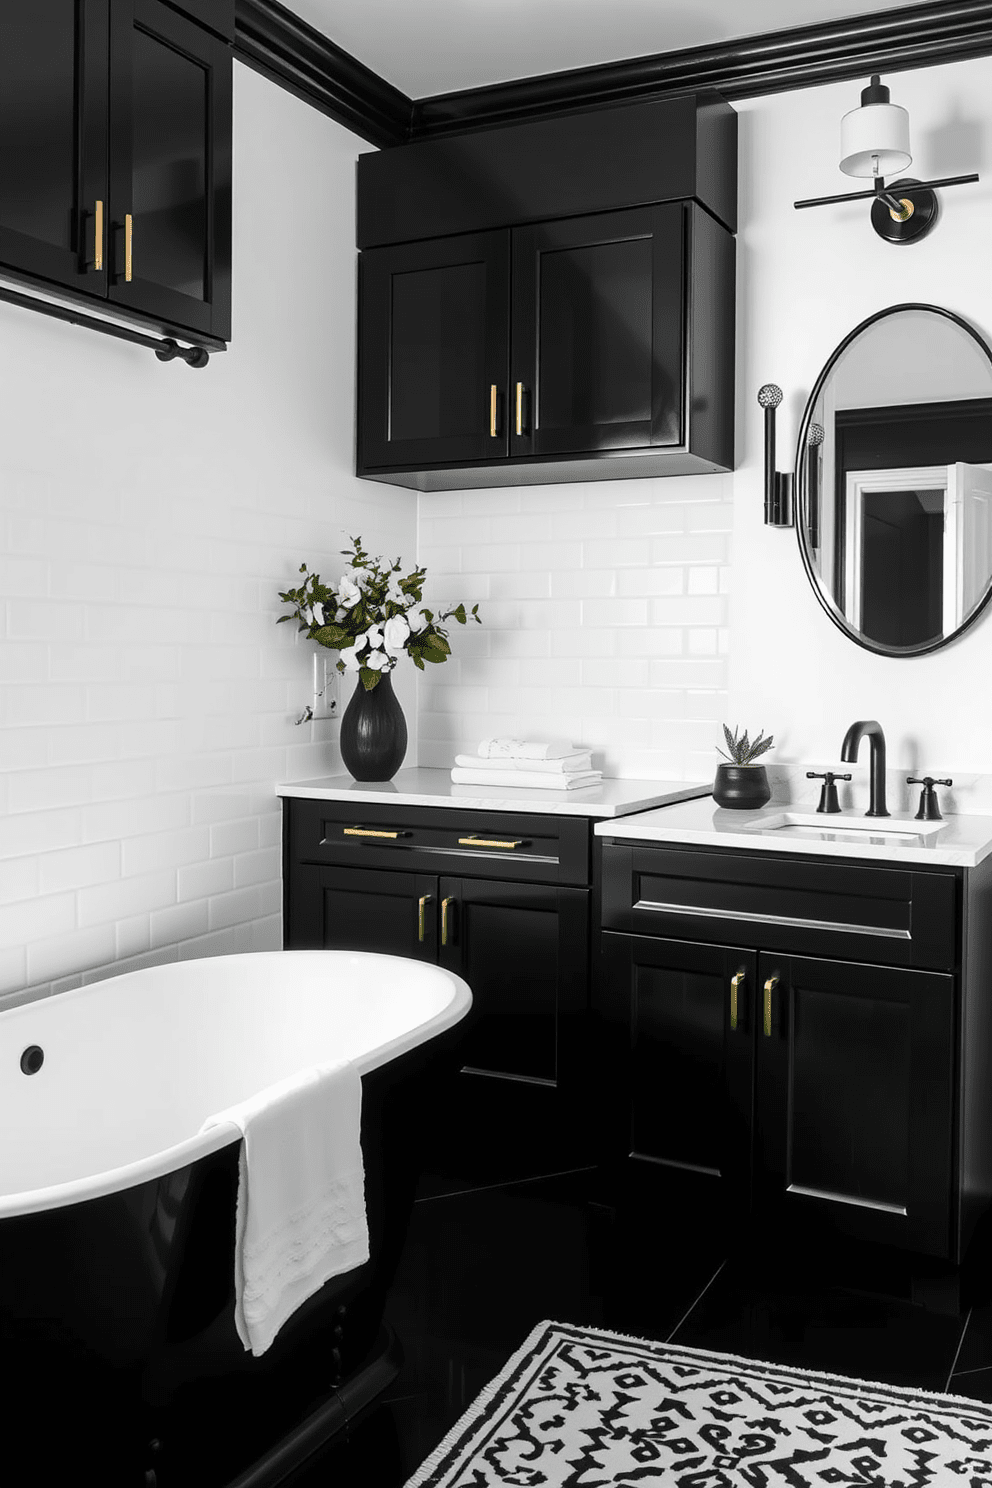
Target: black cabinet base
(609, 465)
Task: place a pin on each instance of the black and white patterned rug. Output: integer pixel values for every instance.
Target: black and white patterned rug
(582, 1408)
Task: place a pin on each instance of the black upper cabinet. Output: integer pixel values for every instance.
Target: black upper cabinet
(53, 139)
(550, 346)
(434, 350)
(170, 168)
(597, 333)
(115, 170)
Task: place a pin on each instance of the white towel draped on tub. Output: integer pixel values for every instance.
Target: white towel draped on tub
(301, 1195)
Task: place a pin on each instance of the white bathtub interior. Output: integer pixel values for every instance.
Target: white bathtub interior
(134, 1064)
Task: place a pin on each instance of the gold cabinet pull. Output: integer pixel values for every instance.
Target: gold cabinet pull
(493, 404)
(735, 983)
(520, 408)
(366, 832)
(770, 986)
(488, 842)
(128, 236)
(444, 920)
(425, 899)
(98, 236)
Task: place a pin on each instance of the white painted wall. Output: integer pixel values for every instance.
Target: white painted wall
(636, 615)
(805, 279)
(148, 516)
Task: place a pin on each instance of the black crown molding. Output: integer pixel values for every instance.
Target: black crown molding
(276, 42)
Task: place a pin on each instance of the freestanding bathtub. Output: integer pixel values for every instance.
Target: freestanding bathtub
(117, 1332)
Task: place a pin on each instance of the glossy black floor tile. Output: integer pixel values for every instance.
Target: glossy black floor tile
(482, 1266)
(806, 1314)
(975, 1383)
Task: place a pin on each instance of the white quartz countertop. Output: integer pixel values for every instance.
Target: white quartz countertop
(426, 787)
(957, 841)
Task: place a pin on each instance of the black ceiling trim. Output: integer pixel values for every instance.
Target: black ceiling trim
(275, 42)
(886, 41)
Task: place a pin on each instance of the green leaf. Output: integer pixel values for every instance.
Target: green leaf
(369, 678)
(437, 643)
(417, 662)
(434, 656)
(332, 636)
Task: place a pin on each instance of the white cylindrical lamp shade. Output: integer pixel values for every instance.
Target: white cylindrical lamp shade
(874, 140)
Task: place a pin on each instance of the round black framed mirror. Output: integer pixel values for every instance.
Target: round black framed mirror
(894, 481)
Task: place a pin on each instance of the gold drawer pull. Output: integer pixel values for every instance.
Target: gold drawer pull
(128, 239)
(770, 986)
(493, 410)
(444, 920)
(98, 237)
(520, 408)
(735, 983)
(425, 899)
(488, 842)
(367, 832)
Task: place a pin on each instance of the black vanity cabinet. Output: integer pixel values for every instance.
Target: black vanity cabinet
(499, 899)
(115, 167)
(582, 329)
(807, 1037)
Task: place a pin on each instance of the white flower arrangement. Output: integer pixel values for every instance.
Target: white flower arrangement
(373, 616)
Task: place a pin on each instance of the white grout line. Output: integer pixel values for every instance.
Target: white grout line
(458, 1193)
(957, 1351)
(699, 1299)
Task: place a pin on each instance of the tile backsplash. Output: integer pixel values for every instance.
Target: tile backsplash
(604, 614)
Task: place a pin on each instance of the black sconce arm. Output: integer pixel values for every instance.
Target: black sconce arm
(778, 487)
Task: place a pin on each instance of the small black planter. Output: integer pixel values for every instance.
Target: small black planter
(373, 732)
(741, 787)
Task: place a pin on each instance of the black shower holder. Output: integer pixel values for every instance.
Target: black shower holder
(778, 486)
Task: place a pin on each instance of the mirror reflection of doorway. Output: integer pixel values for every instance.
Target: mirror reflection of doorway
(902, 562)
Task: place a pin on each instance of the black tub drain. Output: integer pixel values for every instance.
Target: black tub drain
(32, 1059)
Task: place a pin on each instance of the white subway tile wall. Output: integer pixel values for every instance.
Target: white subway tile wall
(148, 516)
(604, 613)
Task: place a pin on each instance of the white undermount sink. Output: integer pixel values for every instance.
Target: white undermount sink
(843, 827)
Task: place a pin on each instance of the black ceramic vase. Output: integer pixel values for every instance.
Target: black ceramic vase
(373, 732)
(741, 787)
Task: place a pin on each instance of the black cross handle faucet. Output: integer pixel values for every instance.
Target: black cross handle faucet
(849, 753)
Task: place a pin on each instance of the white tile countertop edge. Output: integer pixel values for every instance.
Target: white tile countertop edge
(429, 787)
(960, 842)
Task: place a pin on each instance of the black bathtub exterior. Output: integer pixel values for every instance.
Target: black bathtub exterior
(120, 1355)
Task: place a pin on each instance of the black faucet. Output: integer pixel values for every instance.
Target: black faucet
(849, 753)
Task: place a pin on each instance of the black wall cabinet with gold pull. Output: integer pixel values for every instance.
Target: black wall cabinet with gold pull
(582, 329)
(850, 1090)
(115, 177)
(502, 900)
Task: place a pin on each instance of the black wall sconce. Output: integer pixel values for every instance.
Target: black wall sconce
(875, 144)
(778, 487)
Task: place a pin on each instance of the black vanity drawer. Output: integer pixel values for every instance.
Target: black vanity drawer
(423, 839)
(893, 916)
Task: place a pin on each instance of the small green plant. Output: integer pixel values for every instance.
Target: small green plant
(372, 615)
(744, 751)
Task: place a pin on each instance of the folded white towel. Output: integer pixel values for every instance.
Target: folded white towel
(577, 761)
(301, 1195)
(528, 779)
(528, 749)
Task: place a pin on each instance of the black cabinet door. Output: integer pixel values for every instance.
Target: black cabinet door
(597, 335)
(362, 909)
(522, 1093)
(53, 140)
(433, 333)
(170, 168)
(678, 1026)
(854, 1098)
